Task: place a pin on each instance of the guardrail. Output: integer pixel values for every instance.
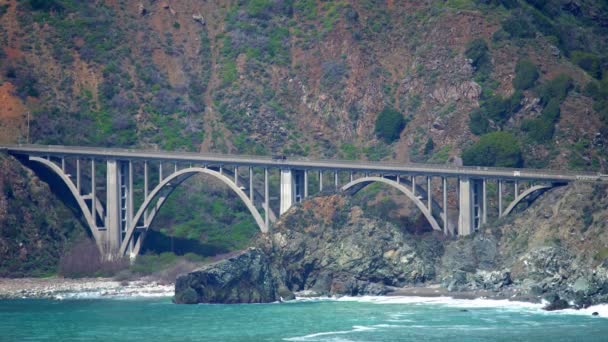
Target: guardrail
(512, 173)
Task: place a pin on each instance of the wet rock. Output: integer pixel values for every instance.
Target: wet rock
(555, 303)
(595, 313)
(247, 278)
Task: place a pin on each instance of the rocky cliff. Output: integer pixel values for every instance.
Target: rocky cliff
(327, 246)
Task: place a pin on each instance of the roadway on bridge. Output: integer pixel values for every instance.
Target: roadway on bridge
(305, 163)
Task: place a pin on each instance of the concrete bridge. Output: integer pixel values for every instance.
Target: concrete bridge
(103, 182)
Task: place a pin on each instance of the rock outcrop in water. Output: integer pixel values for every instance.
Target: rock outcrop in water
(326, 246)
(246, 278)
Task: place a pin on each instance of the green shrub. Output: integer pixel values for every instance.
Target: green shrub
(518, 26)
(556, 88)
(551, 112)
(526, 74)
(389, 124)
(588, 62)
(538, 129)
(494, 149)
(478, 123)
(477, 50)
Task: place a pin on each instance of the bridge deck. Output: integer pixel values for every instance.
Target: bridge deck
(305, 163)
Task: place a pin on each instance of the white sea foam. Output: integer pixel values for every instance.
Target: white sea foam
(131, 291)
(504, 304)
(315, 336)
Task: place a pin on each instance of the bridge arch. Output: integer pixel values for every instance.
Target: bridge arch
(157, 198)
(358, 184)
(537, 188)
(89, 217)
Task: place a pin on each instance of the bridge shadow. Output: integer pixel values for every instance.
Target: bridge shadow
(157, 242)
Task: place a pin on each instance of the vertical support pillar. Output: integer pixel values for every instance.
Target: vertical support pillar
(516, 185)
(465, 200)
(398, 179)
(93, 199)
(351, 177)
(63, 164)
(266, 200)
(287, 190)
(78, 175)
(305, 183)
(146, 191)
(499, 198)
(251, 184)
(336, 179)
(160, 172)
(113, 208)
(320, 180)
(221, 169)
(130, 204)
(484, 206)
(445, 205)
(429, 200)
(414, 185)
(174, 167)
(236, 176)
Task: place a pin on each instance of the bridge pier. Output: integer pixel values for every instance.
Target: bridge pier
(292, 186)
(119, 205)
(471, 211)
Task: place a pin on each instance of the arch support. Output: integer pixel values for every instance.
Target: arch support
(157, 197)
(358, 184)
(88, 213)
(539, 189)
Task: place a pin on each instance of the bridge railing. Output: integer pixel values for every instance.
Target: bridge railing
(514, 173)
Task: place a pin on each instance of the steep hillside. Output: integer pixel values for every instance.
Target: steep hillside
(419, 81)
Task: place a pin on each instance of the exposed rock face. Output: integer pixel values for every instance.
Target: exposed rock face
(348, 254)
(246, 278)
(325, 246)
(345, 255)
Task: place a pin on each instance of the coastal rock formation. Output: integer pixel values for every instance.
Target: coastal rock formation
(331, 251)
(246, 278)
(328, 246)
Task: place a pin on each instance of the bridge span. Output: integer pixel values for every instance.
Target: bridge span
(103, 182)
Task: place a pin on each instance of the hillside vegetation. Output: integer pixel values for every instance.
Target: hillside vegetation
(406, 81)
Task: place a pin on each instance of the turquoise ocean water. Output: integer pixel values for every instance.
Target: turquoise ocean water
(356, 319)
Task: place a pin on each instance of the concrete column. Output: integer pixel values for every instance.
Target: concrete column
(516, 185)
(321, 181)
(93, 199)
(351, 177)
(146, 191)
(236, 176)
(484, 198)
(160, 172)
(221, 169)
(499, 198)
(174, 167)
(113, 210)
(445, 205)
(398, 179)
(130, 204)
(305, 183)
(414, 185)
(78, 175)
(63, 164)
(465, 199)
(336, 179)
(251, 184)
(266, 199)
(428, 194)
(287, 191)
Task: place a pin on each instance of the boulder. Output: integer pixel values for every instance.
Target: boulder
(246, 278)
